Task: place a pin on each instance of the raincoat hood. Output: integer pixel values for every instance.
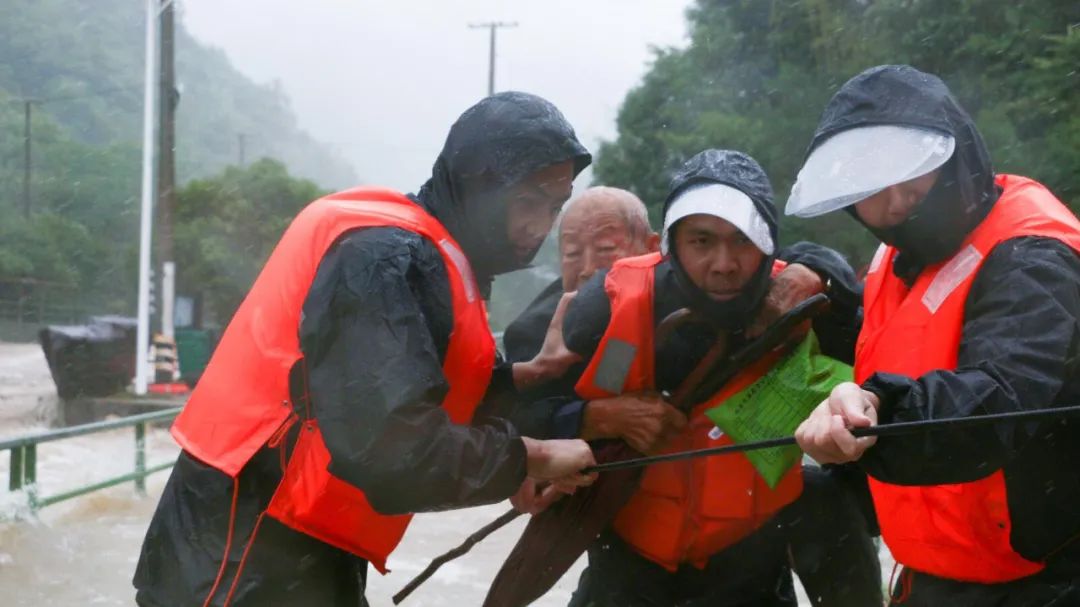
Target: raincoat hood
(492, 146)
(743, 173)
(902, 96)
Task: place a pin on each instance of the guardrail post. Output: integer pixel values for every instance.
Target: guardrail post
(140, 458)
(30, 475)
(15, 482)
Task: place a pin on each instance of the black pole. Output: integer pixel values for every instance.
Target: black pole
(884, 430)
(492, 26)
(167, 100)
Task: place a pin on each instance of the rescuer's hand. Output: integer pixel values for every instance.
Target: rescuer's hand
(826, 435)
(644, 420)
(534, 496)
(792, 286)
(561, 462)
(554, 357)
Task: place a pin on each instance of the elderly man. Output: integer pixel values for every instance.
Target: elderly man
(601, 227)
(597, 228)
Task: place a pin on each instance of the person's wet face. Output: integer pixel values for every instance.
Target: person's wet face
(532, 206)
(717, 256)
(599, 229)
(891, 206)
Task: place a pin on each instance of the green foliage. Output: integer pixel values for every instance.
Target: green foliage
(84, 213)
(757, 74)
(82, 63)
(227, 226)
(84, 59)
(49, 247)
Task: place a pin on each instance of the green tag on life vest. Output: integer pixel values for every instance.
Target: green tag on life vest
(777, 403)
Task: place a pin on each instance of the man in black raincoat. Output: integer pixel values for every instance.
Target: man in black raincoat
(972, 308)
(843, 570)
(374, 333)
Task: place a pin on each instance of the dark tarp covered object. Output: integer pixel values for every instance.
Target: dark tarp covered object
(95, 359)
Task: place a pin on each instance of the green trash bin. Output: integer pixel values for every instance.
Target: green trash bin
(193, 348)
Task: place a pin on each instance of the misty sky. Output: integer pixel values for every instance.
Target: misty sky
(381, 81)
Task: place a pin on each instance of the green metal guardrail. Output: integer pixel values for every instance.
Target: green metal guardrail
(23, 470)
(23, 449)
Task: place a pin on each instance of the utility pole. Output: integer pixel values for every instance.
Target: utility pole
(27, 167)
(241, 139)
(142, 346)
(28, 157)
(166, 175)
(493, 26)
(166, 182)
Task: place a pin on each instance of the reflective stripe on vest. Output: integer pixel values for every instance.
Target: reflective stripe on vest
(959, 531)
(683, 512)
(242, 399)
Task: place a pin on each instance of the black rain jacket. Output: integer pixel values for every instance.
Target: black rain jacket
(1019, 348)
(374, 332)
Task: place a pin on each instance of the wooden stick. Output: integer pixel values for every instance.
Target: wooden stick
(465, 546)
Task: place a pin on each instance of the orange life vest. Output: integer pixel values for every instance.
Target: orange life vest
(242, 401)
(683, 512)
(959, 531)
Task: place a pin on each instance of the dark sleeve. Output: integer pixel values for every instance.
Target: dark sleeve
(544, 411)
(838, 329)
(547, 418)
(503, 402)
(524, 336)
(586, 319)
(1019, 345)
(376, 380)
(587, 316)
(566, 419)
(853, 479)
